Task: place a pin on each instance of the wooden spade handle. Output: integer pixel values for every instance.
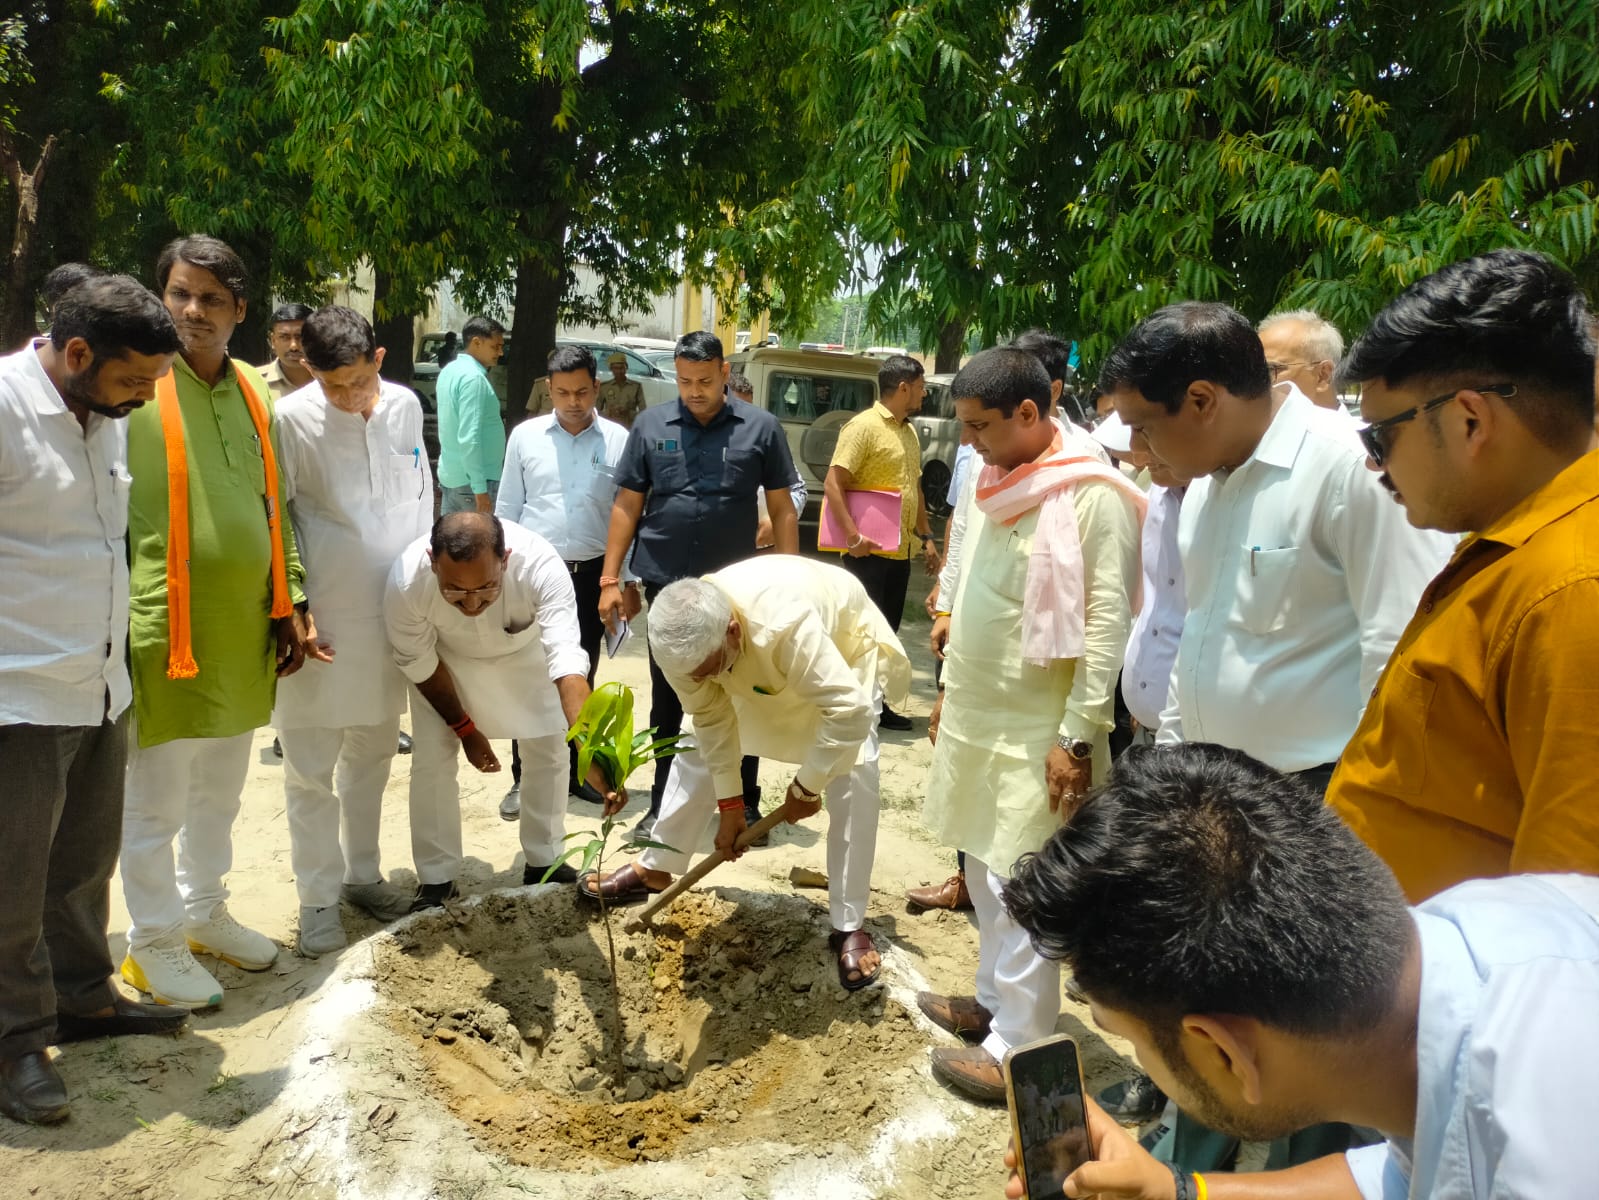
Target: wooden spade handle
(703, 868)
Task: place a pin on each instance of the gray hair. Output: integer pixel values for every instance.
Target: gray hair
(688, 623)
(1319, 339)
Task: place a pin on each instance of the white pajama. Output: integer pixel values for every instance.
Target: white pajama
(1014, 982)
(333, 780)
(689, 805)
(188, 789)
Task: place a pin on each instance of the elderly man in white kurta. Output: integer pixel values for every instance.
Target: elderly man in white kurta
(788, 659)
(1038, 623)
(359, 492)
(483, 622)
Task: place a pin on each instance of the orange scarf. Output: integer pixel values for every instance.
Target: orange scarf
(180, 658)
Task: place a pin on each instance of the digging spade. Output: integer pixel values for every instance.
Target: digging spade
(647, 914)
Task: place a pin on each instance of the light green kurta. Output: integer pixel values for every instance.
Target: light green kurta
(986, 793)
(230, 565)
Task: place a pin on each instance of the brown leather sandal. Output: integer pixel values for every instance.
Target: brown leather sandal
(851, 947)
(625, 885)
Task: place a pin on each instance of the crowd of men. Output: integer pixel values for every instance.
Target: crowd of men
(1353, 658)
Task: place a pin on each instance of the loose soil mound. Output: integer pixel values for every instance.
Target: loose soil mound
(736, 1029)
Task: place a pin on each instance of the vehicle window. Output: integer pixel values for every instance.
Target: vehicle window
(937, 402)
(805, 397)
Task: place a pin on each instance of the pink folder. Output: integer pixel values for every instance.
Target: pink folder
(876, 516)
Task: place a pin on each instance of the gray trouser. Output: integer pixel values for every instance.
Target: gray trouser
(60, 832)
(464, 499)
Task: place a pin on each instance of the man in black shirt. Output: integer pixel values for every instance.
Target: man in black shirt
(686, 489)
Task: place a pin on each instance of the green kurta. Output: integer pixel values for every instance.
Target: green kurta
(230, 564)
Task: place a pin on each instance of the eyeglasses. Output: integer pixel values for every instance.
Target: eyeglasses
(1373, 436)
(455, 595)
(1277, 368)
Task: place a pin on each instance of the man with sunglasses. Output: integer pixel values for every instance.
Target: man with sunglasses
(1472, 759)
(476, 613)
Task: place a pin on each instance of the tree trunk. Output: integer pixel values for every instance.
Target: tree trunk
(533, 321)
(396, 333)
(18, 323)
(951, 345)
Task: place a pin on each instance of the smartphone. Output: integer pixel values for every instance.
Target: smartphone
(615, 641)
(1044, 1088)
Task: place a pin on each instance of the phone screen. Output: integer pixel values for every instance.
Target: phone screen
(1044, 1082)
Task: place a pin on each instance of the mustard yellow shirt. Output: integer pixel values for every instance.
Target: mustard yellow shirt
(1475, 756)
(883, 455)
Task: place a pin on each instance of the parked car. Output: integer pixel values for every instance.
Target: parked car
(812, 393)
(940, 435)
(659, 386)
(425, 370)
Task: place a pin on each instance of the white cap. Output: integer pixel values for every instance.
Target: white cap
(1113, 434)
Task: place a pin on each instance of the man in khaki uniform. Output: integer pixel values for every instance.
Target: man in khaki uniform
(621, 398)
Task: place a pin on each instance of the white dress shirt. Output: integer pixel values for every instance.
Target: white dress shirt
(816, 654)
(1152, 645)
(63, 555)
(1507, 1047)
(359, 492)
(498, 657)
(561, 485)
(1302, 572)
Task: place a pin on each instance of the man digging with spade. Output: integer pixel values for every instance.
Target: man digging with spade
(787, 659)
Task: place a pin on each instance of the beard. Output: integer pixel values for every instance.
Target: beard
(81, 391)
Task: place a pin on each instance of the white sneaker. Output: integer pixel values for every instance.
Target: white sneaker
(320, 931)
(169, 975)
(226, 939)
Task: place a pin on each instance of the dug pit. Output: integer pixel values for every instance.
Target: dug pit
(736, 1030)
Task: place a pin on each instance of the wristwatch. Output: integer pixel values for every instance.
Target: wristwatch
(1076, 747)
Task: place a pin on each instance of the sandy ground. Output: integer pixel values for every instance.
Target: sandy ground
(460, 1055)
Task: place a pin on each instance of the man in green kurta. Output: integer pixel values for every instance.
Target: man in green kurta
(205, 647)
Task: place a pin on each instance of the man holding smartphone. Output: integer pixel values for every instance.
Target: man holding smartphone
(1464, 1030)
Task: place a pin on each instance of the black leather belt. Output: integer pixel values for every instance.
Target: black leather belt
(584, 566)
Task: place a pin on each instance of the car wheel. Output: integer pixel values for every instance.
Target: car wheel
(935, 488)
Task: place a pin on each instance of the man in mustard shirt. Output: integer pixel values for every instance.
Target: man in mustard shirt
(1474, 757)
(878, 451)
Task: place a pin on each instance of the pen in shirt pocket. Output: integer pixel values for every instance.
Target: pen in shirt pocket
(1253, 550)
(416, 458)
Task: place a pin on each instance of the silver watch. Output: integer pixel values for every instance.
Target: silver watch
(1076, 747)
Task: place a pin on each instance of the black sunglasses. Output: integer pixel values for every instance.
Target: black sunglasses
(1372, 435)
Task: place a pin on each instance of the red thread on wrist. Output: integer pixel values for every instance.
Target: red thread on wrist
(730, 805)
(463, 727)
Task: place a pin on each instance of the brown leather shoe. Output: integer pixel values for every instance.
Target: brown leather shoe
(31, 1090)
(950, 894)
(960, 1015)
(625, 885)
(972, 1071)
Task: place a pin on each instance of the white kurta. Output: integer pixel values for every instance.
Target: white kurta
(504, 660)
(359, 492)
(816, 652)
(986, 792)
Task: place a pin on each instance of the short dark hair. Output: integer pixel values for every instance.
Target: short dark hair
(1001, 378)
(480, 327)
(462, 536)
(115, 314)
(1198, 880)
(62, 280)
(335, 337)
(1181, 343)
(739, 383)
(897, 369)
(572, 358)
(209, 254)
(1053, 351)
(699, 346)
(1510, 314)
(292, 311)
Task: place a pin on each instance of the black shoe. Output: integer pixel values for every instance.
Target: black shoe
(405, 744)
(511, 806)
(277, 748)
(31, 1090)
(128, 1017)
(893, 720)
(1135, 1099)
(433, 895)
(642, 832)
(584, 791)
(752, 815)
(563, 873)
